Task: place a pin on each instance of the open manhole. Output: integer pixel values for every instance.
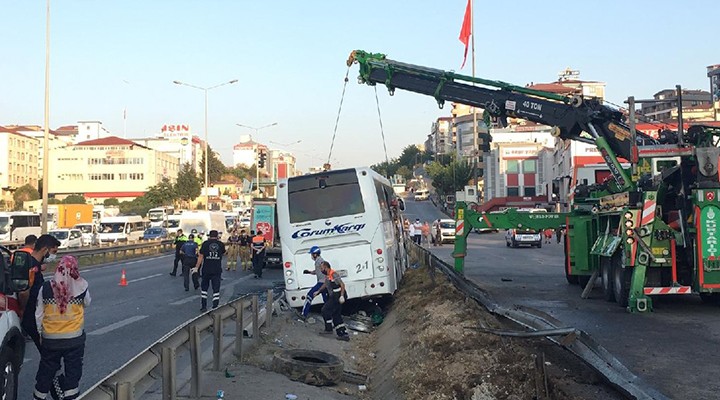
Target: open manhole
(309, 366)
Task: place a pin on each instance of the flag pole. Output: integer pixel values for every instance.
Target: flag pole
(476, 150)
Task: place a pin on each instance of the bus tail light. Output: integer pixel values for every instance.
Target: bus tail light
(379, 251)
(379, 260)
(288, 273)
(290, 281)
(288, 264)
(381, 268)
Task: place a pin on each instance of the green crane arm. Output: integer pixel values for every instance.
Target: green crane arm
(514, 219)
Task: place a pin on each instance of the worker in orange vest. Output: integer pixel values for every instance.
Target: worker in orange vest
(258, 253)
(332, 309)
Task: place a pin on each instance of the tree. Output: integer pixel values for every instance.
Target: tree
(74, 199)
(53, 200)
(241, 172)
(405, 172)
(111, 202)
(139, 206)
(162, 194)
(447, 179)
(188, 185)
(216, 168)
(25, 193)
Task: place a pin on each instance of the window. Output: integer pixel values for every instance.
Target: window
(529, 191)
(513, 191)
(383, 201)
(136, 177)
(122, 177)
(322, 196)
(513, 166)
(529, 166)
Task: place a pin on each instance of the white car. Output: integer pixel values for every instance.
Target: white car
(422, 194)
(68, 237)
(447, 231)
(245, 222)
(518, 237)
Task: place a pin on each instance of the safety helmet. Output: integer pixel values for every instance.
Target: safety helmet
(194, 231)
(315, 250)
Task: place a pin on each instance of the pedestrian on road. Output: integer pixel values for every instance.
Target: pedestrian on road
(60, 320)
(180, 239)
(332, 309)
(258, 254)
(438, 234)
(245, 242)
(315, 254)
(411, 231)
(548, 235)
(199, 238)
(45, 250)
(189, 255)
(425, 229)
(210, 260)
(417, 231)
(233, 251)
(28, 246)
(558, 234)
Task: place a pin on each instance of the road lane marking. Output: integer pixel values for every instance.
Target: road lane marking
(143, 278)
(117, 325)
(115, 264)
(185, 300)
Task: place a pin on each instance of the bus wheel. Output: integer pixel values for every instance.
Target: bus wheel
(606, 271)
(621, 278)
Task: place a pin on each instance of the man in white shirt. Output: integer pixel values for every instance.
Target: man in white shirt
(417, 231)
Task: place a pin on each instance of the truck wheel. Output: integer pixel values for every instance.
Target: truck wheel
(309, 366)
(9, 370)
(621, 278)
(606, 272)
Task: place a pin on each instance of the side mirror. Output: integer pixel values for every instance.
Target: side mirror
(401, 204)
(19, 273)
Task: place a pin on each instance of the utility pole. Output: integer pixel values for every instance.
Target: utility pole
(476, 149)
(46, 137)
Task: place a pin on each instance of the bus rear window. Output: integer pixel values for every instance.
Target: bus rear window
(322, 196)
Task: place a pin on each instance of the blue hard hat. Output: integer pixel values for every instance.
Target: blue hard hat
(315, 250)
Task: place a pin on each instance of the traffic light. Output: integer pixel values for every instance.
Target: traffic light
(261, 159)
(485, 139)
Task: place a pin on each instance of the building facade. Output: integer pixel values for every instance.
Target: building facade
(694, 100)
(441, 133)
(18, 164)
(109, 167)
(178, 141)
(245, 152)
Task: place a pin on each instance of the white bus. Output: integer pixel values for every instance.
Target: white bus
(15, 225)
(122, 228)
(202, 221)
(159, 216)
(350, 214)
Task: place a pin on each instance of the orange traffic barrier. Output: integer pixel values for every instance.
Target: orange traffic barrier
(123, 279)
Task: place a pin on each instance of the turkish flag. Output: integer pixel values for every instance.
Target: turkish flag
(466, 30)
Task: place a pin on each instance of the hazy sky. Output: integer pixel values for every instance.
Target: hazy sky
(289, 59)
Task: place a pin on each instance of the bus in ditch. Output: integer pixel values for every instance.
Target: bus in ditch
(15, 225)
(351, 215)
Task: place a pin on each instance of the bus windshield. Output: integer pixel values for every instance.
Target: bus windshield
(156, 216)
(316, 197)
(4, 225)
(112, 227)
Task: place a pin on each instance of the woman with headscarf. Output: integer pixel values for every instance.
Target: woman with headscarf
(60, 318)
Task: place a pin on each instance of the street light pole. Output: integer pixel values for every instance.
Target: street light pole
(205, 147)
(257, 153)
(46, 137)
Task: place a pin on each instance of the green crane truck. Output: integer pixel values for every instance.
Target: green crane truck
(650, 230)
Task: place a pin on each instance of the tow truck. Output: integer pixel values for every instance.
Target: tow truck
(650, 230)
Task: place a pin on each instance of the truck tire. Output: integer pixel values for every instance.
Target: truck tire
(309, 366)
(606, 273)
(621, 278)
(9, 370)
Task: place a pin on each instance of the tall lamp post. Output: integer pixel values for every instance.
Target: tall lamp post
(46, 135)
(257, 153)
(205, 150)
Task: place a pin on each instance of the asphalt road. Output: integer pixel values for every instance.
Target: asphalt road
(673, 349)
(123, 321)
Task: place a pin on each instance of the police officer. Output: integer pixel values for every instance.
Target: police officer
(332, 309)
(180, 239)
(210, 261)
(189, 254)
(60, 319)
(317, 258)
(233, 251)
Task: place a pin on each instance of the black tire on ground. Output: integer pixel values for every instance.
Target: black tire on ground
(9, 370)
(621, 279)
(309, 366)
(606, 273)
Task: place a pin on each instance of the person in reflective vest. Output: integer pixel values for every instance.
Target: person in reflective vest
(332, 309)
(180, 240)
(60, 318)
(258, 254)
(233, 246)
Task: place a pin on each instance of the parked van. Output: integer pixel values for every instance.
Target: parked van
(68, 237)
(89, 234)
(122, 228)
(422, 194)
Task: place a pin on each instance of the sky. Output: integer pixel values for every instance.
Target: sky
(289, 60)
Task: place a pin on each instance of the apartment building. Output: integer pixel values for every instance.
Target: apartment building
(109, 167)
(18, 163)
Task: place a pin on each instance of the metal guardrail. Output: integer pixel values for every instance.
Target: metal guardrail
(109, 252)
(579, 343)
(159, 361)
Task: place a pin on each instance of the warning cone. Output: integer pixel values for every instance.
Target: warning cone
(123, 280)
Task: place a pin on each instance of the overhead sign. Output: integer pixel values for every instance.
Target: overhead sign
(519, 152)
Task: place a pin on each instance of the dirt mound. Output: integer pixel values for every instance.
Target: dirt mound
(435, 356)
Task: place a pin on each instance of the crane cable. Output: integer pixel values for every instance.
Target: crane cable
(382, 133)
(337, 119)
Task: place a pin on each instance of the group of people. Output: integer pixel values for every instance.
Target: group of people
(332, 289)
(201, 260)
(418, 232)
(52, 315)
(548, 233)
